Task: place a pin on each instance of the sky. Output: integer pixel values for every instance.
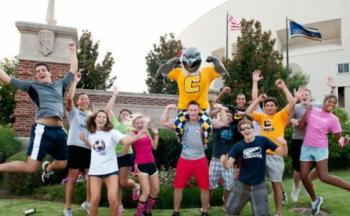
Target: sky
(127, 28)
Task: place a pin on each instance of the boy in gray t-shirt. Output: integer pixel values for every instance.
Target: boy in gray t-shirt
(192, 161)
(47, 135)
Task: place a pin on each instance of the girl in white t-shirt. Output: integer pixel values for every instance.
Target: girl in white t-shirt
(104, 165)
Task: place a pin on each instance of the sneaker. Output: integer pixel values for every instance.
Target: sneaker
(85, 205)
(176, 214)
(120, 210)
(136, 192)
(316, 206)
(45, 176)
(295, 193)
(204, 214)
(284, 199)
(68, 212)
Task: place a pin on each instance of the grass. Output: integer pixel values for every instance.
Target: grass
(336, 201)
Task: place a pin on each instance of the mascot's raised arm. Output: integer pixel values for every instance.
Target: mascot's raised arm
(193, 82)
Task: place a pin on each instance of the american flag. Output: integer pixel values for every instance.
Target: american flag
(234, 24)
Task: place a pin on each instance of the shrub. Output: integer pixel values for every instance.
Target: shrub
(9, 145)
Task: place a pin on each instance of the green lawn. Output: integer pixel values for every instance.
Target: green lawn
(336, 201)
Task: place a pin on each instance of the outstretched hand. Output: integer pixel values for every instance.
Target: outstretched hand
(280, 84)
(256, 75)
(331, 82)
(115, 90)
(77, 77)
(262, 97)
(171, 106)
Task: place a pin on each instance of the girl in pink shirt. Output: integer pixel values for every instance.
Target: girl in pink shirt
(319, 122)
(145, 166)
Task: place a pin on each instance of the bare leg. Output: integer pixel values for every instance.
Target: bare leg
(88, 192)
(177, 199)
(296, 178)
(322, 170)
(28, 166)
(112, 188)
(145, 187)
(205, 199)
(56, 164)
(305, 167)
(95, 188)
(277, 195)
(72, 178)
(154, 182)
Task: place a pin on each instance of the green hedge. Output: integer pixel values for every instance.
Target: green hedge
(9, 145)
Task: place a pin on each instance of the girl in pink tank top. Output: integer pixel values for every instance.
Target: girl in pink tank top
(145, 167)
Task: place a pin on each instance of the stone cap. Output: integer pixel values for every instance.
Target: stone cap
(51, 48)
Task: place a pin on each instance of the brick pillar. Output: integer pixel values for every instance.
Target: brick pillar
(39, 43)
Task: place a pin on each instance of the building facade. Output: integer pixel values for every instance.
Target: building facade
(330, 57)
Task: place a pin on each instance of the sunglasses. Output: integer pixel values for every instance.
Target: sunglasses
(245, 128)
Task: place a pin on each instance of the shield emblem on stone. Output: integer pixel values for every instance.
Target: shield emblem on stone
(46, 41)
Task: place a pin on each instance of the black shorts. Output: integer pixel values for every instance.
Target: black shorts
(126, 160)
(106, 175)
(47, 140)
(78, 157)
(294, 152)
(147, 169)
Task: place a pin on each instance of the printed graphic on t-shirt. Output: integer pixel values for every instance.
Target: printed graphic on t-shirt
(99, 146)
(226, 134)
(253, 152)
(268, 125)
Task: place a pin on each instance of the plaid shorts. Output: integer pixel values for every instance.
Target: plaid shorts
(205, 122)
(216, 170)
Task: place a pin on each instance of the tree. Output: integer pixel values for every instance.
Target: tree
(94, 75)
(7, 94)
(255, 50)
(167, 48)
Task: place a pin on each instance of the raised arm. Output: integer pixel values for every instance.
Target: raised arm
(4, 77)
(218, 66)
(165, 68)
(218, 98)
(222, 121)
(331, 83)
(71, 92)
(155, 139)
(164, 119)
(254, 104)
(73, 57)
(291, 100)
(110, 104)
(256, 78)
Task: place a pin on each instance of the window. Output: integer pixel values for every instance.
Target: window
(343, 68)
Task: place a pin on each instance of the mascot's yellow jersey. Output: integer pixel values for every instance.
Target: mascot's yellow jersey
(193, 86)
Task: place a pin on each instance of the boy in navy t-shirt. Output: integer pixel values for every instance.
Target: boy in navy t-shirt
(251, 181)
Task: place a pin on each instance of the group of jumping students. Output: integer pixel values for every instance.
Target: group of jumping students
(248, 141)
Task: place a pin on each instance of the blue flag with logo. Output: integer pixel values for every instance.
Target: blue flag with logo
(297, 30)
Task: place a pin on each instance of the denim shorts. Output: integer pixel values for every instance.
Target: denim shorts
(309, 153)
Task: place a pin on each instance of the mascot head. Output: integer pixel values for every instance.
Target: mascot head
(191, 59)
